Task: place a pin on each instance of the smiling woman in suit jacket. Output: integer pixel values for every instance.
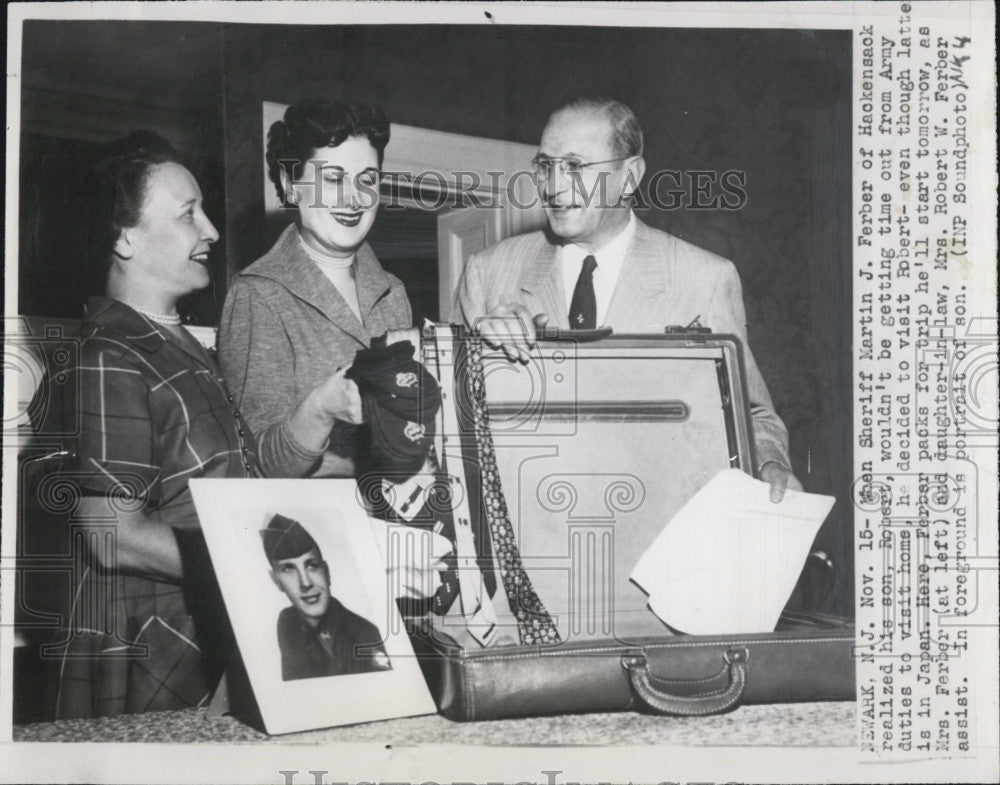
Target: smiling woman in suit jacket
(294, 319)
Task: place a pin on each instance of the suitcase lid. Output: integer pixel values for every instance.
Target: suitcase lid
(676, 384)
(725, 349)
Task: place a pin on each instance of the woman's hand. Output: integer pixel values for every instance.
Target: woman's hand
(335, 399)
(143, 546)
(415, 558)
(339, 398)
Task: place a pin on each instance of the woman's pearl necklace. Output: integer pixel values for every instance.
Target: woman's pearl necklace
(169, 319)
(325, 260)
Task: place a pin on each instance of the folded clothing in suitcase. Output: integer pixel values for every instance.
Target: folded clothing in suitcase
(590, 448)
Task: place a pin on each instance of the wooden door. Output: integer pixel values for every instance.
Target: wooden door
(462, 233)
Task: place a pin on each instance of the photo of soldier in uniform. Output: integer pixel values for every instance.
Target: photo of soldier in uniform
(317, 635)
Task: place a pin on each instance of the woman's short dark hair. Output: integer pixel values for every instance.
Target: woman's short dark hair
(320, 122)
(121, 175)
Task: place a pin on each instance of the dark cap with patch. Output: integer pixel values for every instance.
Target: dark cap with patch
(286, 539)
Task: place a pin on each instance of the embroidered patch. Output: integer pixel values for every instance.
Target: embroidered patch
(407, 379)
(414, 431)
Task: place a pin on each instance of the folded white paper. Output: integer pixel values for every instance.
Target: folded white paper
(727, 562)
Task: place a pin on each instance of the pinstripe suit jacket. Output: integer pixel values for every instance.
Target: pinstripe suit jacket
(664, 281)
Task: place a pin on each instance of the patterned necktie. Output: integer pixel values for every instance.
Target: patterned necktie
(583, 306)
(533, 621)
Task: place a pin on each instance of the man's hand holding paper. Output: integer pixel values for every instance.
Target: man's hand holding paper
(728, 561)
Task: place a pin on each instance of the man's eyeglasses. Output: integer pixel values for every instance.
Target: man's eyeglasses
(542, 165)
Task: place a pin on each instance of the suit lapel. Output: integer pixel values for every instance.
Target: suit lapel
(293, 268)
(542, 281)
(373, 283)
(192, 349)
(645, 276)
(143, 332)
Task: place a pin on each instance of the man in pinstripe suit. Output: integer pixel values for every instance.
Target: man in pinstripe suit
(599, 265)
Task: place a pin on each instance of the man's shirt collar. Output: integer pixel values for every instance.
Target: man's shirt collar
(610, 258)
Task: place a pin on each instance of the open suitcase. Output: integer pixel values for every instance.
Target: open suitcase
(596, 443)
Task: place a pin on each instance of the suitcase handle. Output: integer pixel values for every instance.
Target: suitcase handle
(548, 333)
(637, 668)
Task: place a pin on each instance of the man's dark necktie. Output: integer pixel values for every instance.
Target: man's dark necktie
(583, 306)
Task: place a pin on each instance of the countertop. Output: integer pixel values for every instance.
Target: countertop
(784, 725)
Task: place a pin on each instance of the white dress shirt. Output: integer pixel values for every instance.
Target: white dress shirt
(610, 259)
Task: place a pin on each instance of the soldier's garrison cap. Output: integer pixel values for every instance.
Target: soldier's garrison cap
(286, 539)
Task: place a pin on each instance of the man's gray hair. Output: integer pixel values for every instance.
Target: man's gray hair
(626, 134)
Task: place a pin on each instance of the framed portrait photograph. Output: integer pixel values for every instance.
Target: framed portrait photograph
(638, 360)
(304, 583)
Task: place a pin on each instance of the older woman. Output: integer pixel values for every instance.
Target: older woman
(294, 319)
(154, 412)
